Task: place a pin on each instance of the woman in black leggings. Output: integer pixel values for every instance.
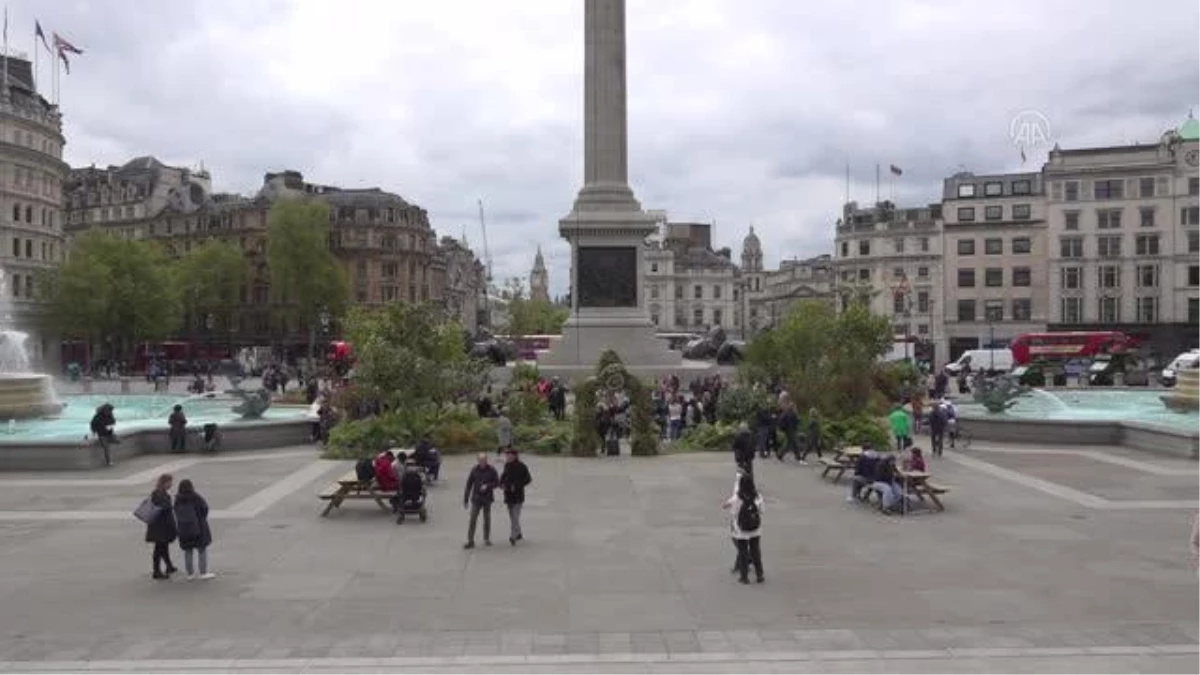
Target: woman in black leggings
(161, 530)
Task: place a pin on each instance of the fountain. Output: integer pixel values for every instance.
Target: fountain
(24, 394)
(1186, 395)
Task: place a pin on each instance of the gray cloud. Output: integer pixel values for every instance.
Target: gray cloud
(740, 113)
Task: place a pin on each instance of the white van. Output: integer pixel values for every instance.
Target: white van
(1185, 361)
(986, 360)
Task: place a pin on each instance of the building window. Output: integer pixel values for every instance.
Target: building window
(698, 292)
(923, 302)
(1146, 214)
(1147, 309)
(993, 212)
(1022, 309)
(1110, 310)
(698, 317)
(1071, 247)
(1193, 311)
(1021, 211)
(1108, 189)
(966, 190)
(16, 213)
(1189, 215)
(1147, 276)
(1108, 247)
(966, 214)
(1072, 310)
(679, 292)
(993, 189)
(681, 318)
(993, 277)
(1108, 219)
(735, 297)
(899, 303)
(924, 244)
(1021, 276)
(1071, 188)
(16, 247)
(864, 275)
(1146, 187)
(1193, 186)
(993, 310)
(966, 310)
(1193, 275)
(1021, 187)
(966, 247)
(922, 272)
(845, 249)
(966, 278)
(922, 329)
(28, 248)
(717, 317)
(1071, 220)
(898, 245)
(993, 246)
(654, 291)
(1022, 245)
(864, 247)
(1072, 278)
(1109, 276)
(897, 272)
(1146, 244)
(654, 268)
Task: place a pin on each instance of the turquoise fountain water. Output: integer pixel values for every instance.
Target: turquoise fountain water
(1123, 405)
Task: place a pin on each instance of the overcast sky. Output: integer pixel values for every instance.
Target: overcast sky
(741, 111)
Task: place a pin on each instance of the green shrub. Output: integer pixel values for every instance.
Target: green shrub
(454, 437)
(526, 407)
(452, 431)
(524, 373)
(543, 439)
(856, 430)
(706, 436)
(742, 404)
(365, 438)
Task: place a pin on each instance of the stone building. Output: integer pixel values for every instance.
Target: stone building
(690, 286)
(390, 251)
(32, 173)
(994, 252)
(892, 258)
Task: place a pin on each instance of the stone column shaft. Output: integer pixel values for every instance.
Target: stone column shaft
(606, 143)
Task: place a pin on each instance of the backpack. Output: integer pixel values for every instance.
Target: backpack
(749, 518)
(365, 469)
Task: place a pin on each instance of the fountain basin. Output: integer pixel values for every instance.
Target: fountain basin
(27, 395)
(1186, 395)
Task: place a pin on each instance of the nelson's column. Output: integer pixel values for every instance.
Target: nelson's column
(607, 227)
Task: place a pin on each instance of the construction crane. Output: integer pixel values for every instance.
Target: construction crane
(487, 256)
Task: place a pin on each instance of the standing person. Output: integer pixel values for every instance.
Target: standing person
(482, 480)
(746, 506)
(513, 480)
(178, 433)
(161, 530)
(901, 427)
(938, 421)
(743, 449)
(191, 518)
(504, 431)
(675, 417)
(558, 400)
(789, 424)
(813, 441)
(102, 426)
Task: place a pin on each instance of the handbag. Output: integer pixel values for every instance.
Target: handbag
(147, 511)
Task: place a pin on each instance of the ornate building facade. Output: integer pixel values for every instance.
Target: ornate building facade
(390, 251)
(32, 173)
(691, 287)
(539, 279)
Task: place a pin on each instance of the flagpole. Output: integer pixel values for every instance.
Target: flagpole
(6, 51)
(847, 184)
(36, 65)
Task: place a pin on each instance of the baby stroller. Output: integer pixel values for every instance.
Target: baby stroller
(410, 501)
(212, 438)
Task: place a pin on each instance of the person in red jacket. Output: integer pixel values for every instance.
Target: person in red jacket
(385, 473)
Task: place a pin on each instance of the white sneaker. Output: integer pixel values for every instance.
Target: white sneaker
(208, 575)
(191, 577)
(803, 462)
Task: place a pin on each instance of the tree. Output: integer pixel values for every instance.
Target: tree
(114, 291)
(408, 357)
(209, 280)
(535, 317)
(305, 275)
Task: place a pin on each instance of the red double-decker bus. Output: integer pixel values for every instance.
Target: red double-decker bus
(1065, 346)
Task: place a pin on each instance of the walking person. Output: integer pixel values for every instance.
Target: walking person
(191, 519)
(177, 422)
(675, 417)
(160, 530)
(938, 421)
(745, 506)
(789, 424)
(481, 483)
(743, 449)
(102, 426)
(901, 427)
(504, 430)
(513, 480)
(813, 440)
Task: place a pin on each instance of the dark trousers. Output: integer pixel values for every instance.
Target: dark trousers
(178, 440)
(790, 444)
(811, 443)
(749, 553)
(487, 521)
(937, 439)
(162, 554)
(104, 442)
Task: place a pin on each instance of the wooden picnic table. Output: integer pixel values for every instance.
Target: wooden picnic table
(350, 487)
(917, 483)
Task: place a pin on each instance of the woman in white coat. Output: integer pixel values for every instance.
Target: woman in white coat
(745, 523)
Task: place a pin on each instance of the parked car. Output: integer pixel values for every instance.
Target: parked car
(1187, 360)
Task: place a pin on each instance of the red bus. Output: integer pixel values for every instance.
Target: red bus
(1068, 345)
(528, 346)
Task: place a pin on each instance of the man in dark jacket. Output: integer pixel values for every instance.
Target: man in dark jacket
(789, 424)
(558, 400)
(513, 480)
(743, 449)
(864, 472)
(102, 427)
(482, 480)
(938, 420)
(177, 421)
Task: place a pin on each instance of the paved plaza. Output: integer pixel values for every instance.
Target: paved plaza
(1063, 559)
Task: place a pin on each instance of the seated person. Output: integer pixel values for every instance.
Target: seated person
(426, 456)
(915, 461)
(864, 472)
(385, 474)
(885, 483)
(412, 487)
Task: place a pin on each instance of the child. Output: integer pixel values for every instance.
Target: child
(915, 461)
(191, 517)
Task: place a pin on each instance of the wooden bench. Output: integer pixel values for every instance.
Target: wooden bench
(350, 487)
(871, 495)
(933, 490)
(834, 466)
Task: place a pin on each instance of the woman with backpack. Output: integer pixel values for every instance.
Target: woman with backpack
(191, 520)
(160, 527)
(746, 524)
